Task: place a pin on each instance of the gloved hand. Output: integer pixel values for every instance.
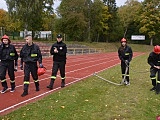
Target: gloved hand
(40, 65)
(15, 68)
(21, 67)
(126, 61)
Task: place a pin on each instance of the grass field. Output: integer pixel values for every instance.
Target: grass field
(95, 99)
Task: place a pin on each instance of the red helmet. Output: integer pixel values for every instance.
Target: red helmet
(41, 71)
(157, 49)
(123, 40)
(5, 37)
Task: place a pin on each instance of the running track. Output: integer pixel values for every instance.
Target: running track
(78, 67)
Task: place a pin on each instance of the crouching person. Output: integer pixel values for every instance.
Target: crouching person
(154, 62)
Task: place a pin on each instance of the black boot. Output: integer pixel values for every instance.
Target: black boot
(12, 87)
(25, 92)
(37, 86)
(50, 86)
(158, 88)
(63, 83)
(5, 87)
(153, 89)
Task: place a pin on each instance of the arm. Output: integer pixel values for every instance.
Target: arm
(150, 61)
(119, 55)
(130, 54)
(52, 50)
(39, 56)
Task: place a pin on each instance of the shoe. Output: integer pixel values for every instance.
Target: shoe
(127, 83)
(153, 89)
(24, 93)
(62, 84)
(4, 90)
(157, 92)
(37, 88)
(51, 88)
(12, 90)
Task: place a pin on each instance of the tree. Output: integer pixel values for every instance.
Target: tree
(150, 19)
(72, 20)
(129, 17)
(112, 9)
(3, 21)
(29, 12)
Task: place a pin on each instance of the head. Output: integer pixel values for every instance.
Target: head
(59, 38)
(5, 40)
(123, 42)
(156, 49)
(28, 39)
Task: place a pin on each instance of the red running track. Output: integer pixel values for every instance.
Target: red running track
(78, 67)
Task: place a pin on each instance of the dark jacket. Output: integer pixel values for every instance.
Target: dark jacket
(8, 53)
(154, 59)
(125, 53)
(62, 50)
(31, 53)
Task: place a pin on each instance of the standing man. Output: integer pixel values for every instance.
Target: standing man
(8, 57)
(58, 50)
(30, 54)
(154, 62)
(125, 55)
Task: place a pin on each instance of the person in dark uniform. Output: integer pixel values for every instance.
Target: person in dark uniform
(154, 62)
(30, 54)
(58, 50)
(9, 61)
(125, 55)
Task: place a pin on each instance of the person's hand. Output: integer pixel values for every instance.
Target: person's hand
(158, 67)
(41, 65)
(55, 50)
(126, 61)
(21, 67)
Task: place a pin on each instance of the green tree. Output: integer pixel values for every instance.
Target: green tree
(72, 20)
(112, 8)
(150, 19)
(29, 12)
(129, 17)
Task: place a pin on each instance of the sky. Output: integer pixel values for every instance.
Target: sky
(3, 3)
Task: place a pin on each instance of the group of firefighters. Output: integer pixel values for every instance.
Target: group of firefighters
(125, 55)
(30, 55)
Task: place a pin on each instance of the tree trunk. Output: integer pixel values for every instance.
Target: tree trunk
(151, 42)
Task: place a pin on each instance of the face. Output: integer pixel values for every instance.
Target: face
(5, 41)
(59, 39)
(28, 40)
(123, 43)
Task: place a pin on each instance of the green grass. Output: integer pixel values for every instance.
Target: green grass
(95, 99)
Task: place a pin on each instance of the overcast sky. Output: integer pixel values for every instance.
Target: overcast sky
(3, 3)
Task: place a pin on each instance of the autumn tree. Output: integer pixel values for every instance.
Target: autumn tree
(150, 19)
(3, 21)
